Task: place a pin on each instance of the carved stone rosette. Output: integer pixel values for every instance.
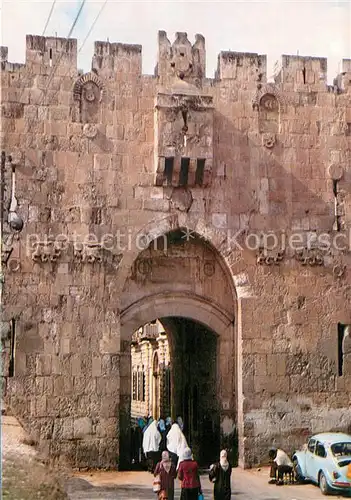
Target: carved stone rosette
(270, 257)
(90, 253)
(46, 251)
(90, 130)
(84, 86)
(339, 271)
(268, 140)
(272, 90)
(311, 257)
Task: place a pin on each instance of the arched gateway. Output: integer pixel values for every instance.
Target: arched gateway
(120, 161)
(184, 282)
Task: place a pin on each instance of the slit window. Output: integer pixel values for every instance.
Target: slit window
(12, 349)
(50, 55)
(341, 334)
(184, 171)
(200, 169)
(168, 172)
(135, 382)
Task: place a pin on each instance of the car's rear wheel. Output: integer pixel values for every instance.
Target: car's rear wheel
(297, 471)
(323, 485)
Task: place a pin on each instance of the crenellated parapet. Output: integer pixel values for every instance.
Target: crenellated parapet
(112, 58)
(242, 66)
(181, 59)
(44, 53)
(297, 72)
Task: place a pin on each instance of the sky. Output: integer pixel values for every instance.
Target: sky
(307, 28)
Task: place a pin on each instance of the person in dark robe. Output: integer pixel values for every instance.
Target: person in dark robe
(220, 474)
(168, 423)
(162, 429)
(167, 472)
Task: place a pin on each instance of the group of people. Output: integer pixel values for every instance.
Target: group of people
(187, 472)
(170, 457)
(163, 435)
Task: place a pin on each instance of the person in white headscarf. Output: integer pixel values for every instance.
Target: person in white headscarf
(151, 444)
(176, 443)
(167, 472)
(220, 474)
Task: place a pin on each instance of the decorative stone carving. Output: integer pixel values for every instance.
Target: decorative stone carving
(90, 130)
(47, 251)
(90, 253)
(181, 59)
(269, 102)
(339, 271)
(270, 256)
(268, 140)
(88, 92)
(271, 90)
(310, 256)
(209, 268)
(335, 171)
(185, 129)
(90, 87)
(7, 245)
(181, 199)
(12, 110)
(14, 265)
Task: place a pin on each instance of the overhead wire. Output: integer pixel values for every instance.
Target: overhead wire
(93, 25)
(44, 94)
(62, 52)
(85, 39)
(49, 17)
(81, 47)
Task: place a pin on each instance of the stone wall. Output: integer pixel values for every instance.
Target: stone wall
(126, 158)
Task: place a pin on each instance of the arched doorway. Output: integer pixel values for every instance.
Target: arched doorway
(188, 287)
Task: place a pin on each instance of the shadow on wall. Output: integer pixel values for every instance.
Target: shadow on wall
(230, 442)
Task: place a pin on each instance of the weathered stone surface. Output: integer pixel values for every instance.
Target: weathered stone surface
(110, 166)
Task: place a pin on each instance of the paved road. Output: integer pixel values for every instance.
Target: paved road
(247, 485)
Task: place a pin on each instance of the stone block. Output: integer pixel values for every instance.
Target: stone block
(82, 428)
(107, 428)
(63, 429)
(44, 364)
(108, 385)
(88, 453)
(96, 366)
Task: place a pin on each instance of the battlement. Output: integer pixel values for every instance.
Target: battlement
(112, 57)
(181, 59)
(48, 52)
(302, 70)
(346, 66)
(245, 66)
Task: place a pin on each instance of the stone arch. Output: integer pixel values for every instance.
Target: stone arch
(162, 305)
(83, 80)
(156, 297)
(88, 92)
(270, 89)
(200, 229)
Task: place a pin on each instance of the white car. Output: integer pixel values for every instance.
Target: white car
(326, 461)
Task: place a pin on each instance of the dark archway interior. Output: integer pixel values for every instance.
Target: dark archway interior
(193, 352)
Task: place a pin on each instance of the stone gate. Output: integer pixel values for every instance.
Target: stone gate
(223, 200)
